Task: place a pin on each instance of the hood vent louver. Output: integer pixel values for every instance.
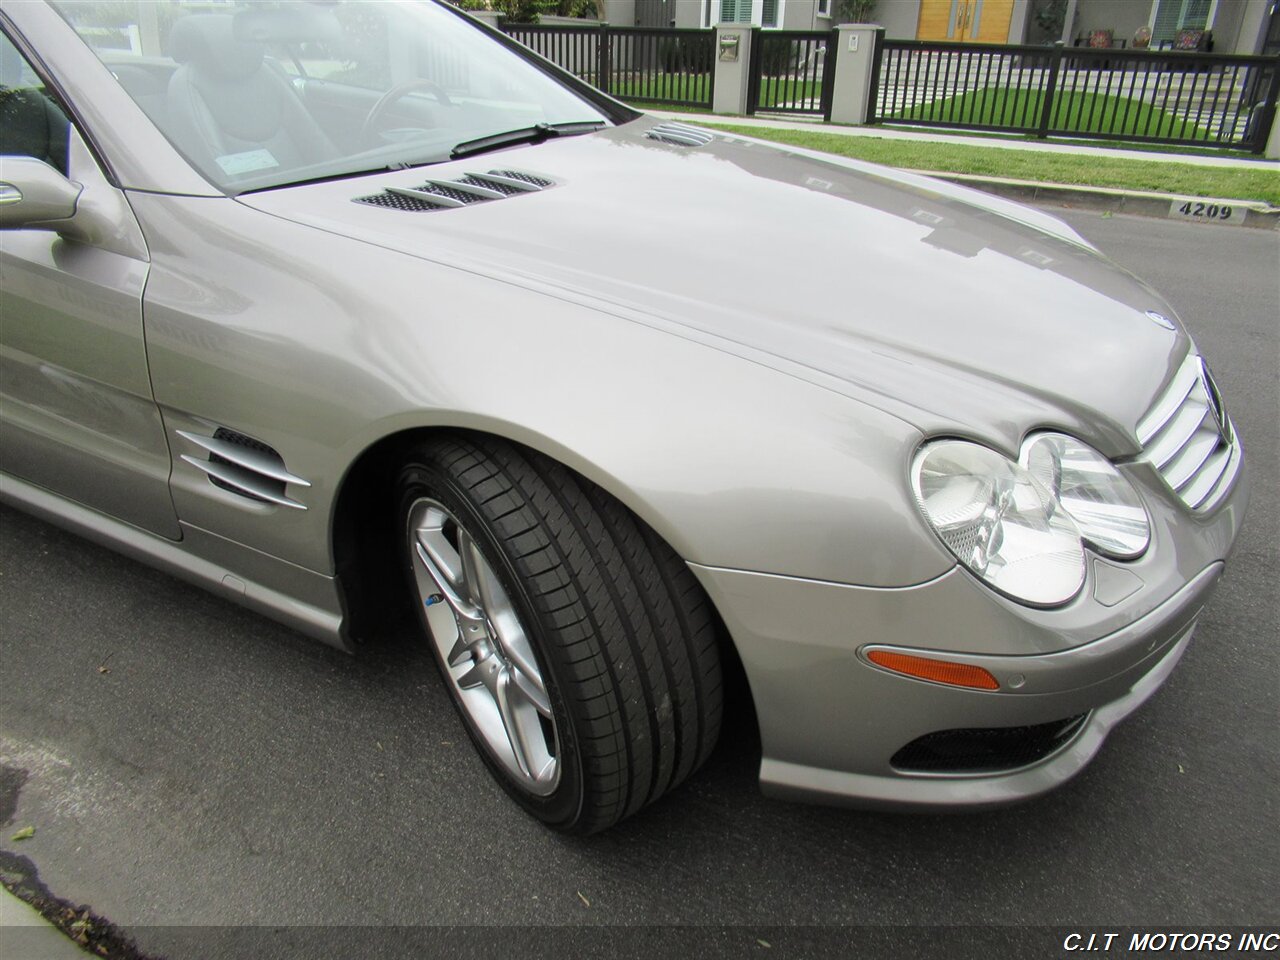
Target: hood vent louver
(680, 135)
(244, 466)
(465, 190)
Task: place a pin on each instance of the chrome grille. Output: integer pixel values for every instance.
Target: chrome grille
(1189, 439)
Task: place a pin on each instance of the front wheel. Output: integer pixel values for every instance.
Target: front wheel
(579, 649)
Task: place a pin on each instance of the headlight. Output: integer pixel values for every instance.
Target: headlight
(1000, 521)
(1103, 503)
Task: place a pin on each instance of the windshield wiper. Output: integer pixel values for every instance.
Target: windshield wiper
(535, 134)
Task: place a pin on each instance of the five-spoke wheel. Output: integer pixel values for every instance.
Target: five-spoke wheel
(479, 636)
(579, 649)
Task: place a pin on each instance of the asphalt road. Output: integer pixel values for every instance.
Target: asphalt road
(225, 771)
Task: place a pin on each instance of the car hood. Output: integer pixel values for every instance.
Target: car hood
(956, 311)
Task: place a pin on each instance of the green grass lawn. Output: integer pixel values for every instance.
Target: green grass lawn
(784, 91)
(658, 87)
(1073, 112)
(1077, 170)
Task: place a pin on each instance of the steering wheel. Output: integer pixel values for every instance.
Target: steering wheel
(393, 96)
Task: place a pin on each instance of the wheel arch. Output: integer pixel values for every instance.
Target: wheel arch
(362, 536)
(364, 548)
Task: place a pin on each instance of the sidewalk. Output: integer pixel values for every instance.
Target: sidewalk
(25, 935)
(928, 136)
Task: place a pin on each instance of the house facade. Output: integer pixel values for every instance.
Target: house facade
(1231, 26)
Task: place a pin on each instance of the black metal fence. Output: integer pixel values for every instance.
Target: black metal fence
(1205, 100)
(792, 71)
(1199, 99)
(649, 64)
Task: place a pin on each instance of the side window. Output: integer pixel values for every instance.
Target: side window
(31, 122)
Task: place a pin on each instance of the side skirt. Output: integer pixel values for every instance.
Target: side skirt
(312, 604)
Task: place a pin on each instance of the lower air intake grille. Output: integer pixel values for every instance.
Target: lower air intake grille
(989, 750)
(1188, 437)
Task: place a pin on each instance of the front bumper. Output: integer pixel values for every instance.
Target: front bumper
(831, 722)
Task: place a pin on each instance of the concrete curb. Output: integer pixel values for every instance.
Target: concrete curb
(1246, 213)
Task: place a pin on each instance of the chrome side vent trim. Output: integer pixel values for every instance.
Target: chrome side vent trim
(680, 134)
(245, 466)
(1189, 438)
(451, 194)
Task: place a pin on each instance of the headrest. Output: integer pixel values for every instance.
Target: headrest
(290, 22)
(207, 41)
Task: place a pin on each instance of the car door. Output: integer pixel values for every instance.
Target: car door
(77, 416)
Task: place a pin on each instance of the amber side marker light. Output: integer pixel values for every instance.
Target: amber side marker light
(939, 671)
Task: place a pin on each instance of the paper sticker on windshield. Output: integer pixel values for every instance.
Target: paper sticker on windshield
(235, 164)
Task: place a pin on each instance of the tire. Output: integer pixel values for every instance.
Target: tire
(592, 619)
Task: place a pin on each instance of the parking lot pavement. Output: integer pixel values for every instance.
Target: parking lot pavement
(191, 768)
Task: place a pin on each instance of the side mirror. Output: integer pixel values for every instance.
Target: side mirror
(34, 196)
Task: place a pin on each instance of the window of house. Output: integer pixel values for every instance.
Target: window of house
(824, 8)
(761, 13)
(1174, 15)
(735, 11)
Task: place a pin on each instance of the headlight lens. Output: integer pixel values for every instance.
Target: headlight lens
(1000, 521)
(1103, 503)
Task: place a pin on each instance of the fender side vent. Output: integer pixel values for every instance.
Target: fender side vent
(680, 135)
(244, 466)
(468, 189)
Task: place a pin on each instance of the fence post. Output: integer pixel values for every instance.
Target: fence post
(829, 73)
(855, 81)
(730, 69)
(1046, 108)
(1269, 145)
(873, 95)
(603, 66)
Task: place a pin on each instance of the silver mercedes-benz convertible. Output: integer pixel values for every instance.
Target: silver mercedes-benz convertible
(338, 308)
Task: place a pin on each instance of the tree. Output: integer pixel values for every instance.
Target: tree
(857, 11)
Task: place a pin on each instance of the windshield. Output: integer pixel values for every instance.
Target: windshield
(264, 94)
